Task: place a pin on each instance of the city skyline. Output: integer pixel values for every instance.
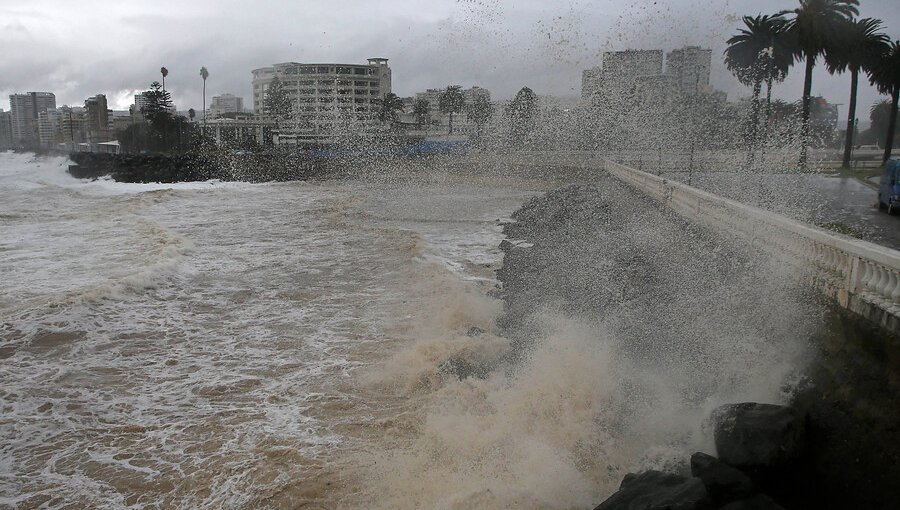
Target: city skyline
(469, 43)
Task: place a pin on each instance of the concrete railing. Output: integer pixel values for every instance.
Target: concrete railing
(861, 276)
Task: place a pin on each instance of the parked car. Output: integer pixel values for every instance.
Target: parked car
(889, 192)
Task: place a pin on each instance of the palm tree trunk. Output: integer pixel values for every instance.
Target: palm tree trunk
(892, 125)
(807, 99)
(768, 107)
(204, 106)
(754, 124)
(851, 116)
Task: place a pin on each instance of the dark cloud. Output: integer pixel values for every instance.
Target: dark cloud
(78, 49)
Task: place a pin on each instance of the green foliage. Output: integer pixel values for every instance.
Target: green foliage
(880, 115)
(817, 24)
(522, 113)
(858, 45)
(158, 107)
(178, 136)
(761, 51)
(451, 101)
(481, 110)
(277, 102)
(885, 76)
(420, 110)
(388, 106)
(885, 70)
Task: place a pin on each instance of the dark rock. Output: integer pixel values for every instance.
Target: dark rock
(655, 490)
(723, 482)
(505, 245)
(475, 331)
(759, 436)
(758, 502)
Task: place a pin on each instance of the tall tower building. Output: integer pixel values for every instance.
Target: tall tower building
(689, 68)
(25, 110)
(621, 68)
(6, 140)
(97, 121)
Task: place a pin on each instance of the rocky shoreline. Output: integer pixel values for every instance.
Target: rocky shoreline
(716, 322)
(247, 167)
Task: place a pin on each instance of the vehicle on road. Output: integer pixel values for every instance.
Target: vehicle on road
(889, 191)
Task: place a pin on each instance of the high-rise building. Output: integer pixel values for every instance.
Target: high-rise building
(225, 103)
(6, 140)
(325, 96)
(24, 110)
(73, 124)
(49, 131)
(97, 119)
(621, 68)
(689, 67)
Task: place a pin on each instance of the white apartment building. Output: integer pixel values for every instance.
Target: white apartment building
(326, 96)
(689, 67)
(225, 103)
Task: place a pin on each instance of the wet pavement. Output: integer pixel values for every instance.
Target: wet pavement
(832, 202)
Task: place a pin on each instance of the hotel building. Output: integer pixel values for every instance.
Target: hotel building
(325, 96)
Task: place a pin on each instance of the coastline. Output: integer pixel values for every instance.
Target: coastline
(693, 334)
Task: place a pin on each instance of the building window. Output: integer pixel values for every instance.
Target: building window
(322, 70)
(360, 71)
(344, 70)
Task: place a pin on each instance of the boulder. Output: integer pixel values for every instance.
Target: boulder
(723, 482)
(752, 436)
(655, 490)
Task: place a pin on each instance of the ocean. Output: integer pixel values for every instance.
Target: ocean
(339, 343)
(231, 345)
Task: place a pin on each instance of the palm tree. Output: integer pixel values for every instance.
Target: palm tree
(164, 72)
(420, 110)
(389, 105)
(191, 114)
(812, 31)
(859, 45)
(885, 76)
(759, 52)
(204, 74)
(451, 101)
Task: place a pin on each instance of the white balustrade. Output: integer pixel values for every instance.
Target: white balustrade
(862, 276)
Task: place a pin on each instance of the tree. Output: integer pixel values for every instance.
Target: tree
(420, 110)
(480, 111)
(191, 114)
(522, 112)
(885, 76)
(759, 53)
(164, 72)
(451, 101)
(277, 103)
(859, 45)
(204, 74)
(880, 115)
(812, 32)
(388, 106)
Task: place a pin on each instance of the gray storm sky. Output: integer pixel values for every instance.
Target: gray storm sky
(80, 48)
